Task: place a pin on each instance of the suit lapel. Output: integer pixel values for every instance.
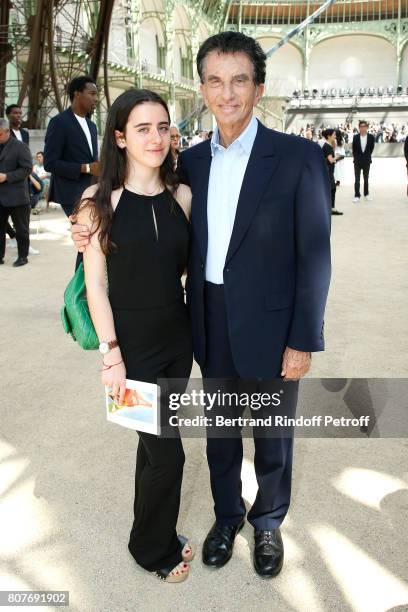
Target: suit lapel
(199, 206)
(262, 164)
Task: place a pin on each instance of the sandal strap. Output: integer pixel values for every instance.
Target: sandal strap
(183, 540)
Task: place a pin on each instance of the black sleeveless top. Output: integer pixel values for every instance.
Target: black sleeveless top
(151, 234)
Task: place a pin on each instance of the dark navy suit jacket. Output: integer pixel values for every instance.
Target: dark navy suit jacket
(66, 148)
(277, 269)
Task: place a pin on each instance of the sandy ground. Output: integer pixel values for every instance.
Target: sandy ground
(66, 475)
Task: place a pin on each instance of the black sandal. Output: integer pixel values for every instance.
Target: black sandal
(185, 545)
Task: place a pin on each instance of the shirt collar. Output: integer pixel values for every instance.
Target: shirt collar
(246, 139)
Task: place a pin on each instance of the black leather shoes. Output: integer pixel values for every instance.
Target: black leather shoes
(1, 261)
(218, 545)
(268, 553)
(21, 261)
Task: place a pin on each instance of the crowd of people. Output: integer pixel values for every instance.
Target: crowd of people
(254, 312)
(363, 144)
(382, 132)
(80, 147)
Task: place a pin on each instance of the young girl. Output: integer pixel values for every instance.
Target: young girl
(138, 215)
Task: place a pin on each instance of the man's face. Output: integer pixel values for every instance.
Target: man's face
(228, 89)
(15, 118)
(4, 135)
(363, 129)
(88, 98)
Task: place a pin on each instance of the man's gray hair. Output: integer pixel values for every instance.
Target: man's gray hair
(4, 124)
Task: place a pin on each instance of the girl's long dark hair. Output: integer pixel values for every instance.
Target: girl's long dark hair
(113, 163)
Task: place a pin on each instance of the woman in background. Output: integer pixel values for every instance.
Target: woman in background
(331, 159)
(174, 143)
(341, 152)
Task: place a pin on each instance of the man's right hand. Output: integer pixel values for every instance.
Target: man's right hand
(79, 234)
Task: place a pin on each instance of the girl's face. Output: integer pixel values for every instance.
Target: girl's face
(147, 135)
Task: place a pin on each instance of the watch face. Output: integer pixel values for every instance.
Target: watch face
(104, 348)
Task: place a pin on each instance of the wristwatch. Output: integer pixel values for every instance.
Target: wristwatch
(88, 168)
(106, 347)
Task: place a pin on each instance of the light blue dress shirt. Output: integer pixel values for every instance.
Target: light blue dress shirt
(226, 175)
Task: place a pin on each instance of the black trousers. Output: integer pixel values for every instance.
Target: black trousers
(273, 455)
(357, 175)
(156, 347)
(333, 196)
(21, 220)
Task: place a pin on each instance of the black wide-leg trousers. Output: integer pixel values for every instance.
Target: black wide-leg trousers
(273, 455)
(156, 348)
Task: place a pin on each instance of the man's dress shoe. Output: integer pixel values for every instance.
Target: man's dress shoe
(268, 553)
(21, 261)
(218, 545)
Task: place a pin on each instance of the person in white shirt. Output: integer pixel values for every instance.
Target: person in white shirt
(43, 174)
(341, 152)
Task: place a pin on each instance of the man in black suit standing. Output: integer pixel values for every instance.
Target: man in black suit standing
(71, 145)
(15, 167)
(363, 147)
(14, 115)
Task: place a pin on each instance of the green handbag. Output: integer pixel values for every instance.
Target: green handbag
(75, 315)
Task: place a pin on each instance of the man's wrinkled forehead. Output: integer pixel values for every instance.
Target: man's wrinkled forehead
(227, 65)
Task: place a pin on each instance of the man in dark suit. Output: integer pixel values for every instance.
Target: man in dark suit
(14, 115)
(257, 281)
(363, 147)
(71, 145)
(15, 167)
(258, 277)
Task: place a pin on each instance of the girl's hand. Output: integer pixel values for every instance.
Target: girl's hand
(115, 378)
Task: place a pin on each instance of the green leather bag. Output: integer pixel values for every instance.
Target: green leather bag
(75, 315)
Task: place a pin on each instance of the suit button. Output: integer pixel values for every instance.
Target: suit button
(227, 269)
(202, 266)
